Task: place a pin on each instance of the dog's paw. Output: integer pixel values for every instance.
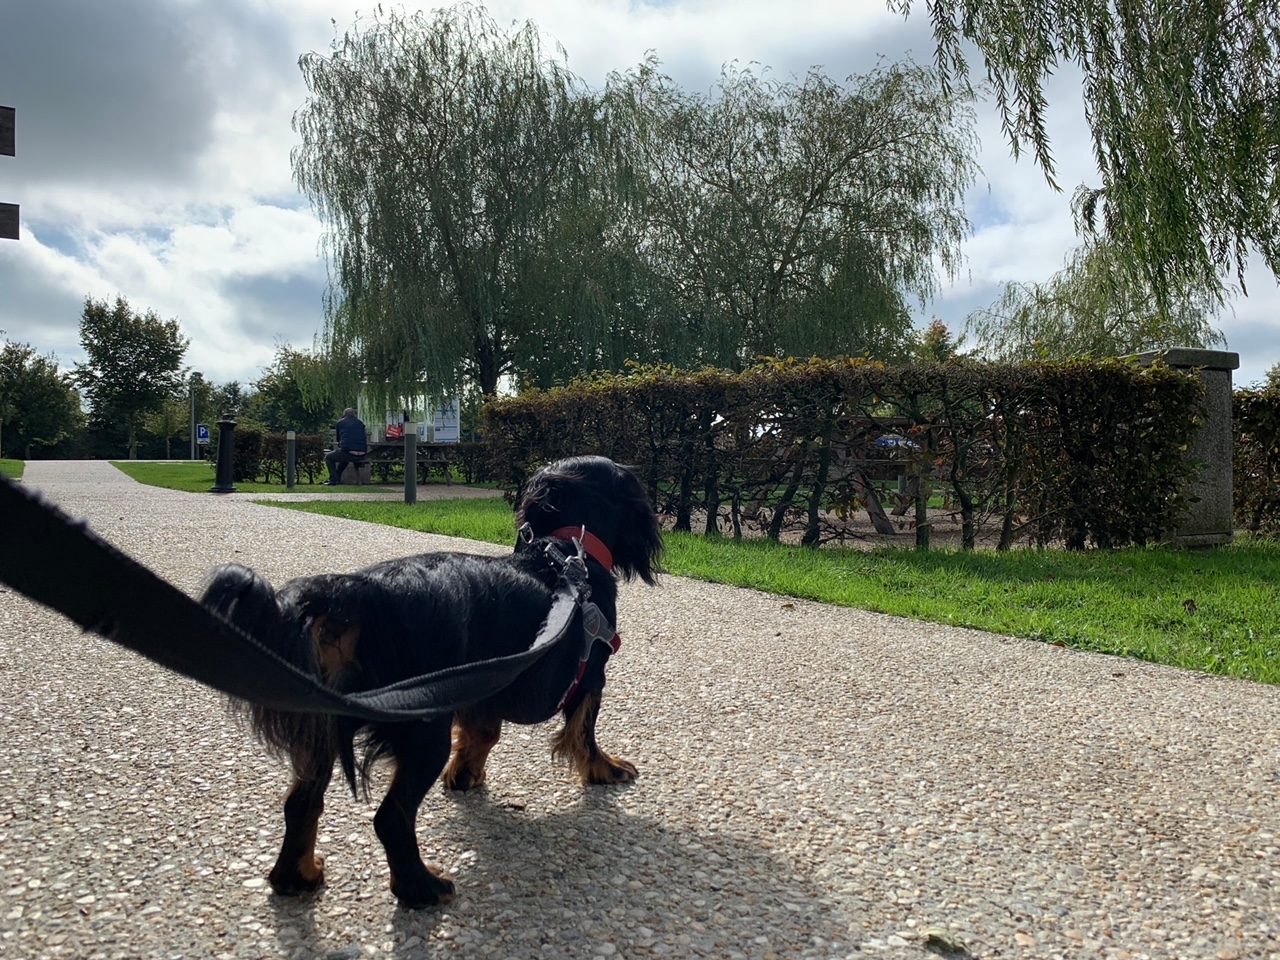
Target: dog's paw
(296, 879)
(603, 768)
(461, 777)
(424, 887)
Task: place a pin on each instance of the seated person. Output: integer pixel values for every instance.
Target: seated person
(352, 446)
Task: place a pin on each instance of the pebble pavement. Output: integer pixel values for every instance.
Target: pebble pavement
(815, 782)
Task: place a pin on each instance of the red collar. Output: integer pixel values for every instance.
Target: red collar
(594, 546)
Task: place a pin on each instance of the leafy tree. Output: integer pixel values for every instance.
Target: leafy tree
(1273, 376)
(440, 150)
(171, 419)
(278, 402)
(231, 399)
(791, 218)
(1092, 306)
(38, 404)
(133, 366)
(1183, 100)
(935, 344)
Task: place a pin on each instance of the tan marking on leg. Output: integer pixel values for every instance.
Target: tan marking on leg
(576, 742)
(472, 741)
(311, 864)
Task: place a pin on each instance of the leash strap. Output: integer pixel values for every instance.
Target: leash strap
(59, 562)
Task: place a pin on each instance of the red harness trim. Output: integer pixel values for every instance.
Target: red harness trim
(615, 644)
(594, 546)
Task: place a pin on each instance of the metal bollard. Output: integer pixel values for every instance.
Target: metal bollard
(226, 457)
(290, 459)
(410, 463)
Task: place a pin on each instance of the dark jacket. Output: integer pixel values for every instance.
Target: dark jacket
(351, 434)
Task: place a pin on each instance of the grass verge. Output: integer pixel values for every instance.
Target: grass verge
(1212, 610)
(12, 468)
(488, 520)
(197, 476)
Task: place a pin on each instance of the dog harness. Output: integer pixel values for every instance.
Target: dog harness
(593, 545)
(595, 628)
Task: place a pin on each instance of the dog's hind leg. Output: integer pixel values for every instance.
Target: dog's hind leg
(299, 869)
(577, 741)
(420, 751)
(474, 735)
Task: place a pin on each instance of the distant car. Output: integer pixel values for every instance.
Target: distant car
(896, 440)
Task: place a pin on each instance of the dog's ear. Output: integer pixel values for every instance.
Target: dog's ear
(637, 545)
(539, 504)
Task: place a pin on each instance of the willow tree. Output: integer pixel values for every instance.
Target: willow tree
(794, 217)
(1092, 306)
(1183, 100)
(440, 151)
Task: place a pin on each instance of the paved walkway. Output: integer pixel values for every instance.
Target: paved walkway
(815, 782)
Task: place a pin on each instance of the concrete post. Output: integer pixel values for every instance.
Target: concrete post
(1211, 518)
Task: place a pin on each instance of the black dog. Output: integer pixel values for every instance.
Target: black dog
(413, 616)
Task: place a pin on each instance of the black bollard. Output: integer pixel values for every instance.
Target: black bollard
(226, 457)
(291, 459)
(410, 463)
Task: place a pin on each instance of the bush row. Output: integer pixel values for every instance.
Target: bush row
(1082, 452)
(262, 456)
(1256, 471)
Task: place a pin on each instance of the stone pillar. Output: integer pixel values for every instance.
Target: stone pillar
(1211, 517)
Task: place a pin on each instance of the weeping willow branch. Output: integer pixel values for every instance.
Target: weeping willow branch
(1183, 99)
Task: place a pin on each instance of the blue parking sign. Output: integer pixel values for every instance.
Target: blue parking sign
(202, 433)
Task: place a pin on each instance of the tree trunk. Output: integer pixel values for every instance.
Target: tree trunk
(875, 511)
(133, 442)
(812, 530)
(486, 366)
(922, 514)
(788, 497)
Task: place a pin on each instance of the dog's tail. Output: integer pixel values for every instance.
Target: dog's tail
(246, 599)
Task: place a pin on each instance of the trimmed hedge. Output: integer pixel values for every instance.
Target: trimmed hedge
(264, 456)
(1083, 452)
(1256, 472)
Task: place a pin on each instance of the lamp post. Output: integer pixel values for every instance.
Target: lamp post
(191, 387)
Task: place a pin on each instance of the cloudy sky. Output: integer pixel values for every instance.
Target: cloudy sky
(153, 141)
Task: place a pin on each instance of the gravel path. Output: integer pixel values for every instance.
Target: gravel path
(815, 782)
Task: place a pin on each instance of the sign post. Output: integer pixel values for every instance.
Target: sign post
(8, 211)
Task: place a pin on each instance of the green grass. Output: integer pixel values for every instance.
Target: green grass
(488, 520)
(12, 468)
(1127, 602)
(197, 476)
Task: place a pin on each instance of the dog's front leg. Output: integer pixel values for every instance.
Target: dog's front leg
(577, 741)
(299, 869)
(420, 750)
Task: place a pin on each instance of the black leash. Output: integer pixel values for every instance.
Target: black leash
(59, 562)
